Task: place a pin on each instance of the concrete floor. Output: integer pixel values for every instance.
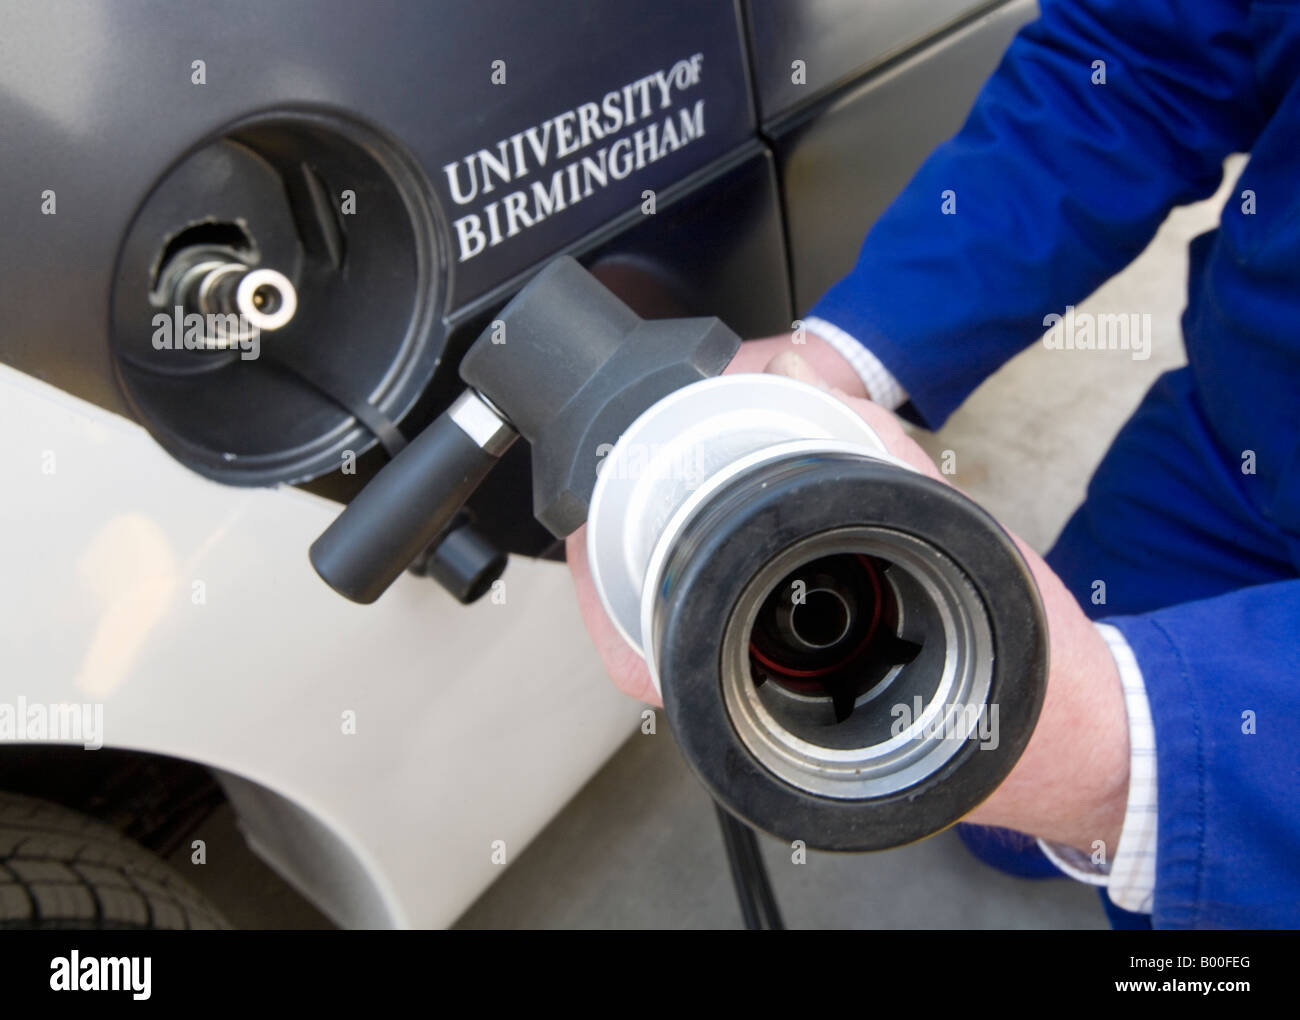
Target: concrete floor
(639, 847)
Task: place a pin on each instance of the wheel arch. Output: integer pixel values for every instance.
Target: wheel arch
(298, 840)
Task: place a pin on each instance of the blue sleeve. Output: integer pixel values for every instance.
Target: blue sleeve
(1223, 680)
(1054, 184)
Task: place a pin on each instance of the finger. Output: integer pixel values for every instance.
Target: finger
(625, 667)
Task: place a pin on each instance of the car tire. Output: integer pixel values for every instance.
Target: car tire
(63, 870)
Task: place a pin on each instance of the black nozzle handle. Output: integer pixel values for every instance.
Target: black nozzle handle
(412, 500)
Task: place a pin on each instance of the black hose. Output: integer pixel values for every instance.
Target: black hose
(749, 873)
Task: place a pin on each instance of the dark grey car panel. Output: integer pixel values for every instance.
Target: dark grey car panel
(842, 163)
(836, 41)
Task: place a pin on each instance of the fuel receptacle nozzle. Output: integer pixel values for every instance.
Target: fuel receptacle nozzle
(849, 653)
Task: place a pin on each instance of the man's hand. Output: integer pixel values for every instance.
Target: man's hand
(624, 666)
(1071, 783)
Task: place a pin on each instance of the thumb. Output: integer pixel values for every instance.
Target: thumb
(887, 427)
(792, 366)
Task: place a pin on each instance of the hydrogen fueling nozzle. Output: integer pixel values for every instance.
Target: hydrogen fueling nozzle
(849, 653)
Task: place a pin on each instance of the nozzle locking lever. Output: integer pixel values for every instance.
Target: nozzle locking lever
(412, 499)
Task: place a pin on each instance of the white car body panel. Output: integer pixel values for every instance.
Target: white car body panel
(473, 724)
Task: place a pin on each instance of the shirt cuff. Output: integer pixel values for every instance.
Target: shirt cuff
(879, 382)
(1129, 877)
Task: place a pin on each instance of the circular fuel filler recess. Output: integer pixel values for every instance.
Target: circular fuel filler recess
(752, 523)
(321, 232)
